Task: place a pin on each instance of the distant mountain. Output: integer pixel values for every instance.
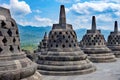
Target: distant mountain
(31, 36)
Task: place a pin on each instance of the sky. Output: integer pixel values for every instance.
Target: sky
(42, 13)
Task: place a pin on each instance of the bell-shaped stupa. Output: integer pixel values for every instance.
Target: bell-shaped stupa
(114, 41)
(14, 65)
(43, 45)
(94, 44)
(64, 56)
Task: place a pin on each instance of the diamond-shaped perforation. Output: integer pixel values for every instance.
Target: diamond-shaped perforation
(17, 32)
(9, 32)
(14, 40)
(4, 40)
(1, 49)
(3, 23)
(11, 48)
(1, 33)
(18, 48)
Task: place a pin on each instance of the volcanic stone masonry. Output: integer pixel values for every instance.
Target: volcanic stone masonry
(94, 45)
(14, 65)
(114, 41)
(64, 56)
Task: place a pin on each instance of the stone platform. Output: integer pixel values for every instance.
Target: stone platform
(105, 71)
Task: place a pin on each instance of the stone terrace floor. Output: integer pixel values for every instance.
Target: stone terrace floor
(105, 71)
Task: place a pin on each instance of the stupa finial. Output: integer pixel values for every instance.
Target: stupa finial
(93, 23)
(45, 35)
(62, 18)
(116, 27)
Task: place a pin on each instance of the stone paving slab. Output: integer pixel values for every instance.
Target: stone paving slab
(105, 71)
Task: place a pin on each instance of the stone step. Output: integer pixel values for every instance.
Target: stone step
(102, 54)
(64, 68)
(103, 57)
(62, 58)
(102, 60)
(65, 73)
(75, 53)
(9, 57)
(96, 51)
(60, 63)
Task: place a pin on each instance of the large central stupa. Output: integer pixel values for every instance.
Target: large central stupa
(94, 44)
(14, 65)
(64, 56)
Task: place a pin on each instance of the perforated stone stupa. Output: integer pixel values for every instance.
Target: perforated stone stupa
(94, 44)
(114, 40)
(64, 56)
(43, 46)
(14, 65)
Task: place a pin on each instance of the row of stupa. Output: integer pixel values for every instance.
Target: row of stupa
(60, 53)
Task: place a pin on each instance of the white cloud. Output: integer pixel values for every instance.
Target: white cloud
(104, 17)
(37, 11)
(37, 21)
(18, 8)
(106, 13)
(68, 1)
(43, 21)
(90, 7)
(64, 1)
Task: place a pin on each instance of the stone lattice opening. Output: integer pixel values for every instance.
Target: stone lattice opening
(66, 32)
(14, 40)
(11, 48)
(17, 32)
(56, 45)
(1, 33)
(66, 41)
(74, 45)
(51, 45)
(60, 32)
(63, 46)
(69, 36)
(3, 23)
(69, 45)
(18, 48)
(55, 33)
(63, 36)
(9, 32)
(1, 49)
(4, 40)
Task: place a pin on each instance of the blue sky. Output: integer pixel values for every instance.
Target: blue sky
(41, 13)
